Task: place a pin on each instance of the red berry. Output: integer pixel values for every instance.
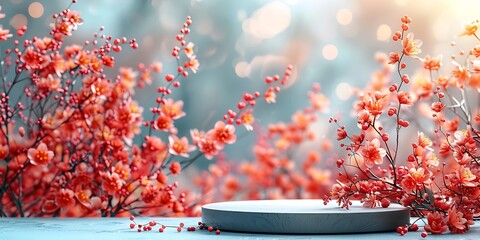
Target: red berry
(132, 218)
(179, 229)
(132, 225)
(414, 227)
(169, 77)
(217, 232)
(182, 224)
(424, 234)
(210, 228)
(385, 203)
(403, 123)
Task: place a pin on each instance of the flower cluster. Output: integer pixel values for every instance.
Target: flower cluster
(280, 168)
(73, 140)
(435, 172)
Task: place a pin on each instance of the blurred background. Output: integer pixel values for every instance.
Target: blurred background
(238, 43)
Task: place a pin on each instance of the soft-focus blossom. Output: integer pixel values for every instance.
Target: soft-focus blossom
(111, 183)
(189, 50)
(175, 168)
(173, 109)
(438, 106)
(4, 34)
(208, 147)
(179, 146)
(411, 47)
(65, 198)
(270, 97)
(461, 75)
(394, 58)
(40, 155)
(470, 28)
(432, 64)
(247, 119)
(164, 123)
(223, 133)
(193, 64)
(405, 98)
(341, 134)
(372, 153)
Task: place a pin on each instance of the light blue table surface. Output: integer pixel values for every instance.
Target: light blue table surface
(118, 228)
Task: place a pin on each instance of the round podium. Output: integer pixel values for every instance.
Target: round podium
(302, 217)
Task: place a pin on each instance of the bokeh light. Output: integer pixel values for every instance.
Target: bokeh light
(18, 21)
(383, 32)
(344, 16)
(241, 69)
(35, 10)
(343, 91)
(330, 52)
(268, 21)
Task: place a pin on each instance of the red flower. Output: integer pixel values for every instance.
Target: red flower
(173, 109)
(180, 146)
(4, 34)
(247, 119)
(456, 222)
(208, 147)
(405, 98)
(408, 184)
(341, 133)
(40, 155)
(111, 183)
(149, 194)
(3, 151)
(372, 153)
(223, 134)
(270, 96)
(466, 177)
(438, 106)
(437, 223)
(164, 123)
(394, 58)
(33, 60)
(65, 198)
(175, 168)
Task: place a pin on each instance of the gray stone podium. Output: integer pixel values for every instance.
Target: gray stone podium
(302, 217)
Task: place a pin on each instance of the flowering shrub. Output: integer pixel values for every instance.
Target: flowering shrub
(433, 170)
(393, 157)
(73, 140)
(279, 169)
